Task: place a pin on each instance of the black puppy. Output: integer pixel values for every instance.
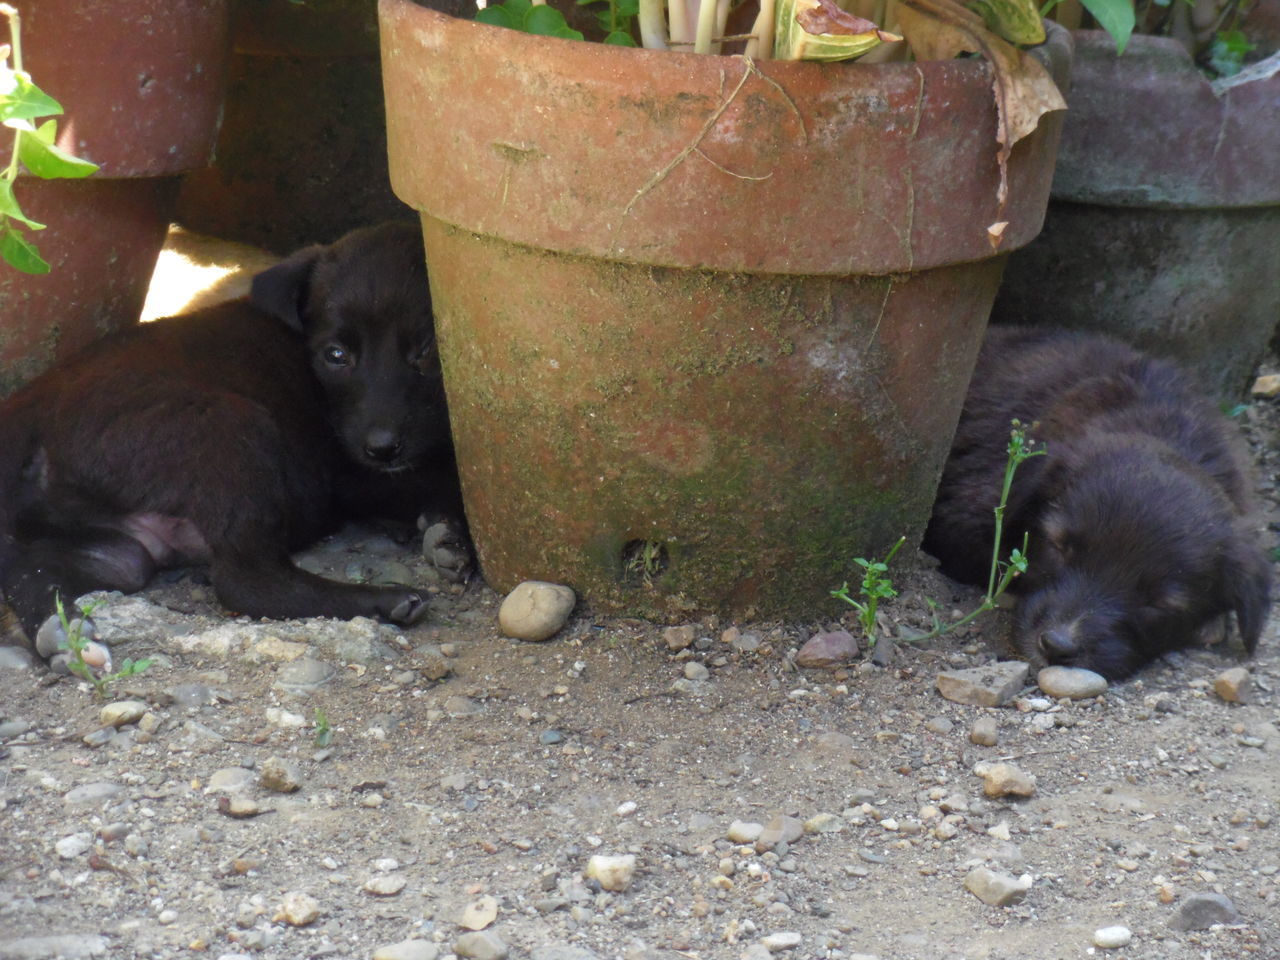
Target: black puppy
(1139, 515)
(234, 436)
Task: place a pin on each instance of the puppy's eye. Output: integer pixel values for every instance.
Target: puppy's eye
(336, 355)
(424, 360)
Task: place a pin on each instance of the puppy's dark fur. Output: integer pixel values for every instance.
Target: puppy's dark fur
(233, 437)
(1139, 515)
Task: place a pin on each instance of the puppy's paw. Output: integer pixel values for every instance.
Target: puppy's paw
(53, 644)
(409, 610)
(447, 548)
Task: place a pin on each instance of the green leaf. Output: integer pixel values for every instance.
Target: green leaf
(628, 8)
(1226, 55)
(1115, 17)
(9, 206)
(1017, 21)
(519, 9)
(19, 97)
(39, 155)
(498, 17)
(19, 252)
(545, 21)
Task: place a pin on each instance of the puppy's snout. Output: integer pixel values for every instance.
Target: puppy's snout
(1058, 645)
(382, 444)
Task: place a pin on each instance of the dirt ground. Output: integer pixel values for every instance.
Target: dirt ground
(479, 796)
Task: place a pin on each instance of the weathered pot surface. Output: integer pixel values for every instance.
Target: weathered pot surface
(1148, 128)
(706, 328)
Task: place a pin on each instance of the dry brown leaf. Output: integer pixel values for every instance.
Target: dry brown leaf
(1024, 90)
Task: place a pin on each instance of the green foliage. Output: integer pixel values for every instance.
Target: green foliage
(21, 104)
(524, 16)
(324, 732)
(75, 644)
(616, 20)
(875, 586)
(1227, 53)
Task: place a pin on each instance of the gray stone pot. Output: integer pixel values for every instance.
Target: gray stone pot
(1164, 228)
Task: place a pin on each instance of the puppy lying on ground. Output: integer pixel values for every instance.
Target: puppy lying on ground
(1139, 515)
(236, 435)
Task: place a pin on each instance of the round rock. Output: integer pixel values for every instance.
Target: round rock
(535, 610)
(1111, 938)
(121, 712)
(613, 873)
(1071, 682)
(280, 775)
(298, 909)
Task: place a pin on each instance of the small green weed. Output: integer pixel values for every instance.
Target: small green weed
(75, 644)
(876, 586)
(320, 724)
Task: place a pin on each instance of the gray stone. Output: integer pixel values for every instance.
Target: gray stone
(939, 725)
(784, 940)
(995, 888)
(535, 610)
(385, 884)
(13, 728)
(1200, 911)
(828, 650)
(741, 831)
(696, 671)
(985, 732)
(88, 794)
(481, 945)
(992, 685)
(68, 848)
(1071, 682)
(192, 694)
(304, 676)
(408, 950)
(229, 780)
(65, 946)
(562, 951)
(781, 829)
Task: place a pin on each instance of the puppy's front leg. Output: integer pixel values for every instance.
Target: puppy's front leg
(273, 587)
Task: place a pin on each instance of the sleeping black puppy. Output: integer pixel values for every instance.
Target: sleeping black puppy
(1139, 515)
(236, 435)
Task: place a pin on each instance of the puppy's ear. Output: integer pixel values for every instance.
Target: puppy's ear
(282, 290)
(1247, 582)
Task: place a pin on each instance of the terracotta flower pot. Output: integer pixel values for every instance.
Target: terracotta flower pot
(141, 84)
(706, 328)
(1165, 223)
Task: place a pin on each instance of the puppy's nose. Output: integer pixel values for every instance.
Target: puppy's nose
(1058, 645)
(381, 444)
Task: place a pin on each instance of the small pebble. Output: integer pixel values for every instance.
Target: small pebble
(1004, 779)
(408, 950)
(613, 873)
(68, 848)
(279, 775)
(1110, 938)
(778, 942)
(479, 914)
(121, 712)
(939, 725)
(740, 831)
(1234, 685)
(298, 909)
(996, 888)
(1071, 682)
(679, 638)
(992, 685)
(828, 650)
(480, 945)
(535, 610)
(985, 732)
(696, 671)
(1200, 911)
(385, 885)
